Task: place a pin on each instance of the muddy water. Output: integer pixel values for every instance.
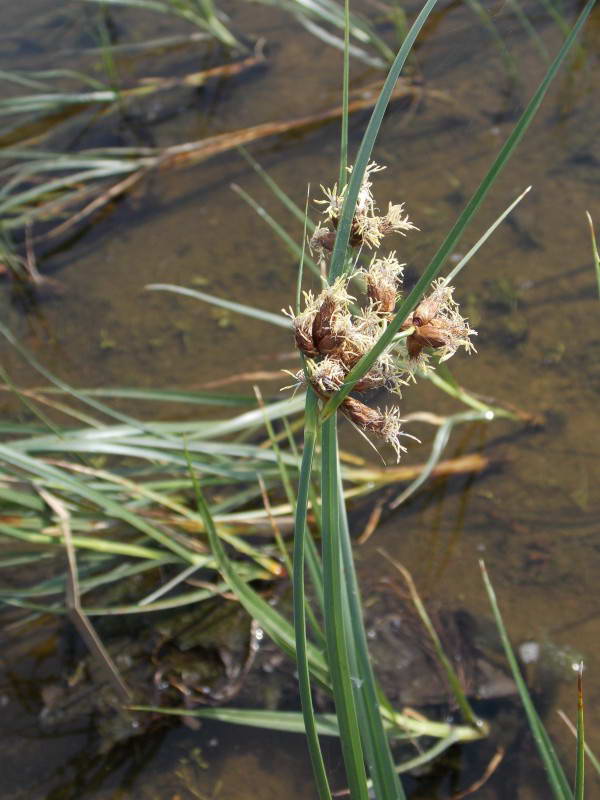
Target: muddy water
(530, 292)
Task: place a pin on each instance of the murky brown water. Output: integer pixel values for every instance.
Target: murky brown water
(530, 292)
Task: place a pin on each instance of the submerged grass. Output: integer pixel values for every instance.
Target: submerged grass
(201, 13)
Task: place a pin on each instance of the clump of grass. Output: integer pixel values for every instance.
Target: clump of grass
(201, 13)
(46, 195)
(323, 18)
(40, 465)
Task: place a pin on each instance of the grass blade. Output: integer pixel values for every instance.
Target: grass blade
(239, 308)
(486, 19)
(345, 90)
(278, 628)
(116, 510)
(451, 675)
(377, 749)
(580, 768)
(284, 198)
(338, 257)
(588, 751)
(87, 400)
(278, 229)
(437, 450)
(465, 259)
(288, 721)
(594, 250)
(164, 396)
(556, 776)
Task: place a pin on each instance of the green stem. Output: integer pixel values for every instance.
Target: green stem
(335, 629)
(300, 601)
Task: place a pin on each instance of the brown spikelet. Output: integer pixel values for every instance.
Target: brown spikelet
(323, 240)
(430, 306)
(304, 341)
(369, 419)
(324, 337)
(383, 296)
(356, 236)
(429, 335)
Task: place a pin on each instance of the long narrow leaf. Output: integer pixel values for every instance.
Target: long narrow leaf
(377, 748)
(58, 478)
(288, 721)
(239, 308)
(556, 776)
(165, 396)
(451, 675)
(278, 628)
(338, 257)
(284, 198)
(594, 250)
(278, 229)
(580, 759)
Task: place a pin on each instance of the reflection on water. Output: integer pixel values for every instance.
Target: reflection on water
(530, 292)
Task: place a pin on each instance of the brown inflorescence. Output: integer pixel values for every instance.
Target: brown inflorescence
(368, 228)
(438, 324)
(333, 336)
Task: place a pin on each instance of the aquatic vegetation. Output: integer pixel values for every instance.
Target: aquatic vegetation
(201, 13)
(323, 18)
(557, 779)
(360, 720)
(46, 196)
(125, 486)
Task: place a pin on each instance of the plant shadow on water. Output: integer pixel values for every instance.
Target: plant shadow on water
(534, 519)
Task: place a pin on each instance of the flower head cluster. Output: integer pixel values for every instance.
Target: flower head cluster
(368, 228)
(438, 324)
(333, 334)
(333, 339)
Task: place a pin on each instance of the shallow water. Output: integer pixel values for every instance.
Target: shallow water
(530, 292)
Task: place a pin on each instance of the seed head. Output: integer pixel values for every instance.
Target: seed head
(383, 276)
(395, 221)
(322, 327)
(438, 324)
(367, 228)
(385, 373)
(386, 424)
(333, 203)
(327, 376)
(334, 336)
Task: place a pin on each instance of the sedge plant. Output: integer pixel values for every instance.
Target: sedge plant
(343, 353)
(385, 341)
(345, 347)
